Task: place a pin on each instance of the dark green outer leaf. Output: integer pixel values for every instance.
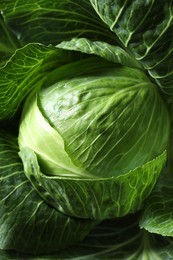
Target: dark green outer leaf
(8, 42)
(24, 72)
(146, 29)
(50, 22)
(118, 239)
(27, 223)
(158, 214)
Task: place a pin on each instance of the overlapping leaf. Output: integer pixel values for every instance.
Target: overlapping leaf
(77, 197)
(107, 51)
(25, 71)
(8, 42)
(146, 29)
(158, 212)
(114, 239)
(53, 21)
(27, 223)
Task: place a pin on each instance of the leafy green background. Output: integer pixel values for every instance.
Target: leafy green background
(8, 42)
(147, 37)
(116, 239)
(50, 22)
(146, 29)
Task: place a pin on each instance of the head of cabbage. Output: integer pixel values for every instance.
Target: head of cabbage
(100, 123)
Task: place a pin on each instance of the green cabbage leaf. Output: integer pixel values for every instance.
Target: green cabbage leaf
(145, 28)
(27, 223)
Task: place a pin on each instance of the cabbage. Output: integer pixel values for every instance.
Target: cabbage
(94, 130)
(86, 129)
